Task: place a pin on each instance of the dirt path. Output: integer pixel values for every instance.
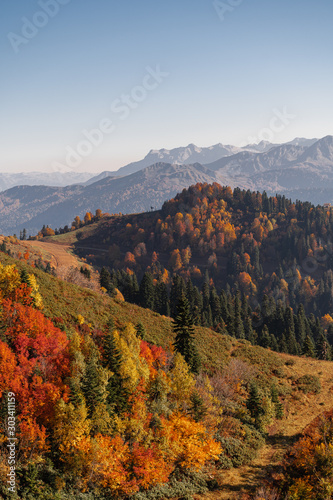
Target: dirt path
(300, 411)
(59, 254)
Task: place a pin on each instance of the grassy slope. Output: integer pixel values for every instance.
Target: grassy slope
(72, 237)
(64, 300)
(300, 410)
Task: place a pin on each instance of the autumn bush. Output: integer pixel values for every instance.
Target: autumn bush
(100, 411)
(308, 465)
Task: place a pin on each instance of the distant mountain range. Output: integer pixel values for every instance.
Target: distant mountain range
(301, 169)
(56, 178)
(33, 206)
(193, 154)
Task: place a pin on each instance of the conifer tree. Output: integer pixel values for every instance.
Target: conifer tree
(250, 334)
(254, 404)
(308, 348)
(106, 282)
(178, 288)
(162, 299)
(290, 332)
(238, 322)
(25, 277)
(300, 325)
(283, 347)
(197, 408)
(274, 343)
(205, 295)
(147, 291)
(183, 328)
(94, 381)
(215, 305)
(133, 289)
(140, 331)
(197, 306)
(117, 395)
(323, 348)
(265, 338)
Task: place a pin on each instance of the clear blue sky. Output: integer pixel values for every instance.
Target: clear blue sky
(226, 77)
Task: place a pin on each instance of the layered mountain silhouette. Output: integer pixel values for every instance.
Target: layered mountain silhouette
(301, 169)
(55, 178)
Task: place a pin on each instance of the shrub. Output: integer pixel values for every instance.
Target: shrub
(238, 452)
(182, 485)
(309, 383)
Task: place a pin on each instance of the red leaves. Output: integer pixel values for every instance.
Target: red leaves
(154, 355)
(149, 466)
(39, 363)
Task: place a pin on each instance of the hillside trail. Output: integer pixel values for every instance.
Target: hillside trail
(300, 411)
(59, 254)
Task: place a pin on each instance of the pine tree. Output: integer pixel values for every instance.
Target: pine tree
(265, 338)
(197, 408)
(147, 291)
(197, 307)
(205, 295)
(75, 395)
(283, 347)
(215, 305)
(238, 322)
(162, 299)
(110, 325)
(117, 395)
(133, 289)
(25, 277)
(106, 282)
(140, 331)
(293, 347)
(323, 348)
(300, 325)
(274, 343)
(254, 404)
(250, 334)
(178, 287)
(183, 328)
(308, 348)
(93, 383)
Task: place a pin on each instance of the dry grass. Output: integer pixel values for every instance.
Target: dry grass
(59, 255)
(299, 412)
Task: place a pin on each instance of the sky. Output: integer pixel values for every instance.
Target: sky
(91, 85)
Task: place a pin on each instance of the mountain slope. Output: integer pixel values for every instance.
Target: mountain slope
(289, 167)
(31, 207)
(57, 178)
(302, 169)
(236, 359)
(181, 156)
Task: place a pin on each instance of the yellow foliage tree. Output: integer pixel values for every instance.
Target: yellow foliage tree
(133, 367)
(9, 279)
(182, 381)
(71, 435)
(187, 443)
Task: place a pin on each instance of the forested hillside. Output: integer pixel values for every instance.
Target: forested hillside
(161, 380)
(251, 266)
(101, 410)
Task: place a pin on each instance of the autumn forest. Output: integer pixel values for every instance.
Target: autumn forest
(177, 355)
